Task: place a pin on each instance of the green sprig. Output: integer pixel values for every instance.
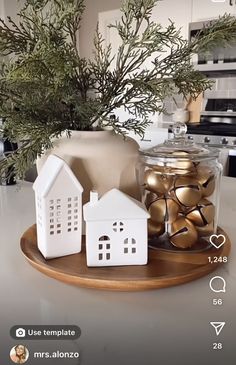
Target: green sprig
(47, 88)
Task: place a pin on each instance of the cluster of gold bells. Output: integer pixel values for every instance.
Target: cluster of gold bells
(178, 204)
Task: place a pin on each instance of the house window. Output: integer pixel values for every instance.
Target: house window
(72, 214)
(55, 213)
(118, 226)
(104, 248)
(104, 238)
(130, 245)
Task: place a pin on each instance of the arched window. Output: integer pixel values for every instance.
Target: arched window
(104, 248)
(104, 238)
(129, 245)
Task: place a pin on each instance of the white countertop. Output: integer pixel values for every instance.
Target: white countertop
(165, 327)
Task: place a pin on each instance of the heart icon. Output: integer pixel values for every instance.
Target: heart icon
(217, 240)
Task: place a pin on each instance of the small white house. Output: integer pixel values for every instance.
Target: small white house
(58, 198)
(116, 230)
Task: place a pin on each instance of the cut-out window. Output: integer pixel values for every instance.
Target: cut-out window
(104, 247)
(118, 226)
(51, 226)
(104, 238)
(100, 256)
(51, 232)
(69, 199)
(51, 202)
(59, 231)
(76, 211)
(51, 214)
(76, 198)
(51, 207)
(75, 217)
(69, 223)
(75, 228)
(129, 245)
(69, 205)
(76, 223)
(51, 220)
(69, 211)
(58, 201)
(76, 204)
(58, 225)
(69, 229)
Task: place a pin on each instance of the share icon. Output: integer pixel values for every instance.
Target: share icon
(218, 326)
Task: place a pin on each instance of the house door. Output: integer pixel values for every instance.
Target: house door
(104, 248)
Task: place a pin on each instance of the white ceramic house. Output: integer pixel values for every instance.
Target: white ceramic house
(116, 230)
(58, 198)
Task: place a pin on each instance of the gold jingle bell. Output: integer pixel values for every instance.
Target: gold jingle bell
(206, 230)
(164, 210)
(156, 182)
(202, 214)
(155, 229)
(206, 178)
(182, 233)
(150, 198)
(187, 191)
(183, 163)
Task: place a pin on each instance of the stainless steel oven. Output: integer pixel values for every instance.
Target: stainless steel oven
(217, 126)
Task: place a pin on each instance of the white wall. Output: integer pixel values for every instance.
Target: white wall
(89, 23)
(10, 8)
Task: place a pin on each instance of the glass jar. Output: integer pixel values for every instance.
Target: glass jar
(180, 188)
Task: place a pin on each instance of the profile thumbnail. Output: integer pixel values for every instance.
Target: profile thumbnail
(19, 354)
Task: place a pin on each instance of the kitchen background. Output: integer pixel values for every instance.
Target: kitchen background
(212, 115)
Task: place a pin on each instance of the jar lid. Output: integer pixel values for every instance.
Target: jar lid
(180, 148)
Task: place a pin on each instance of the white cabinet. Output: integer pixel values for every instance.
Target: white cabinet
(208, 9)
(177, 11)
(163, 11)
(10, 8)
(109, 34)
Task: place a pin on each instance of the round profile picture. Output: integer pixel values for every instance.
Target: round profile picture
(19, 354)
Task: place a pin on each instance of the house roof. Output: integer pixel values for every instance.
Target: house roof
(115, 205)
(49, 173)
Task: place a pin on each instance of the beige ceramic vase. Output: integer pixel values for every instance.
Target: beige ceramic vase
(101, 160)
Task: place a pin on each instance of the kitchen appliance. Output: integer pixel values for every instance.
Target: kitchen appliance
(219, 135)
(219, 60)
(217, 128)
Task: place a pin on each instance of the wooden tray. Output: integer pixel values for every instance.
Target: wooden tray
(164, 268)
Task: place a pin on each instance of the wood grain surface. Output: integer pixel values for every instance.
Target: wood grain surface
(164, 268)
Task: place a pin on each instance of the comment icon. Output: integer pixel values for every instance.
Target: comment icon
(218, 284)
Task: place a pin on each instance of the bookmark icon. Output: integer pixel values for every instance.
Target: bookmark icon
(218, 326)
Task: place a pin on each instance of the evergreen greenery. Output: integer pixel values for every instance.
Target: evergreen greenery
(46, 87)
